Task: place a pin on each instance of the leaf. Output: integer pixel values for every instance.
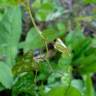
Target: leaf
(6, 77)
(89, 90)
(7, 2)
(78, 84)
(88, 63)
(78, 43)
(10, 34)
(56, 91)
(61, 91)
(51, 33)
(74, 37)
(37, 2)
(64, 62)
(90, 1)
(44, 10)
(61, 26)
(89, 68)
(24, 85)
(72, 92)
(65, 68)
(33, 39)
(25, 64)
(44, 71)
(11, 30)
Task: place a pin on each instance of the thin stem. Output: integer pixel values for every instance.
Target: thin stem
(32, 19)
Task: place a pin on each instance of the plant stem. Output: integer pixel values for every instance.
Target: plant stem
(34, 24)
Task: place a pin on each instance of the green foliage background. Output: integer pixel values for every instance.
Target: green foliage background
(74, 52)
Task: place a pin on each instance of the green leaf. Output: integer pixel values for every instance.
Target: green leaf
(35, 3)
(6, 77)
(89, 90)
(78, 84)
(33, 39)
(56, 91)
(89, 68)
(76, 39)
(24, 84)
(88, 63)
(7, 2)
(11, 30)
(61, 26)
(62, 91)
(10, 33)
(51, 33)
(64, 62)
(65, 68)
(44, 10)
(72, 92)
(90, 1)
